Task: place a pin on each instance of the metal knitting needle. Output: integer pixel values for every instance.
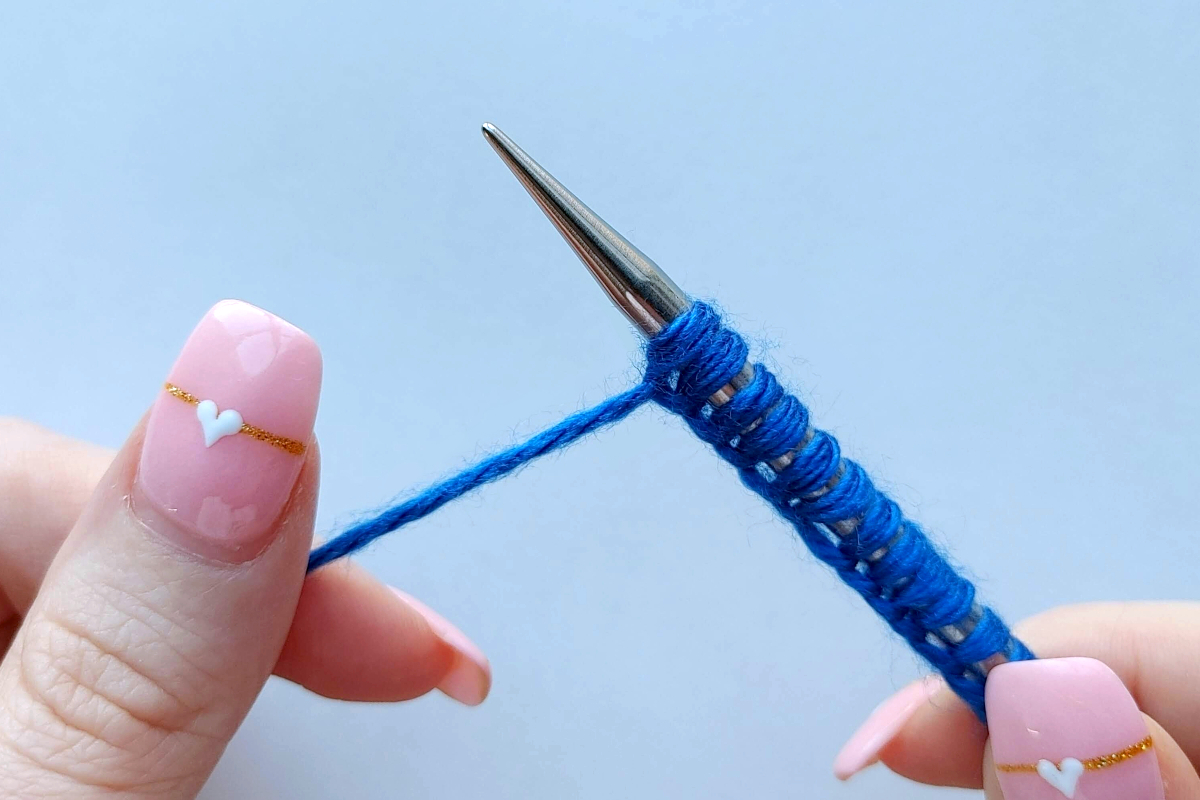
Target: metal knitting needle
(651, 300)
(634, 283)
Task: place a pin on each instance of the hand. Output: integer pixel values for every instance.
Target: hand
(1064, 707)
(147, 597)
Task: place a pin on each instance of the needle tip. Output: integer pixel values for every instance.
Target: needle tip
(632, 281)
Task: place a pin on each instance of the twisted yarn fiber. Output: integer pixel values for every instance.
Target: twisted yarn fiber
(764, 432)
(490, 469)
(830, 501)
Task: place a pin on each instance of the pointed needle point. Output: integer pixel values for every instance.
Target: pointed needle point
(635, 284)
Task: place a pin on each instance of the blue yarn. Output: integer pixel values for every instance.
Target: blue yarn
(830, 501)
(884, 557)
(491, 468)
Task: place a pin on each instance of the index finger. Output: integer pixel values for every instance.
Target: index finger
(345, 619)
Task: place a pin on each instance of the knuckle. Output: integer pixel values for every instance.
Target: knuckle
(16, 427)
(78, 675)
(99, 701)
(23, 448)
(14, 476)
(20, 435)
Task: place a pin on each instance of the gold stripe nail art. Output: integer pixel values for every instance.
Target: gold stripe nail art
(292, 446)
(1099, 762)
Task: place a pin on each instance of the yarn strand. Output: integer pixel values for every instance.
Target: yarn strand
(765, 434)
(492, 468)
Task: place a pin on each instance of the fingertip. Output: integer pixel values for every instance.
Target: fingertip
(941, 743)
(1067, 725)
(1179, 777)
(991, 781)
(352, 639)
(862, 749)
(469, 678)
(226, 437)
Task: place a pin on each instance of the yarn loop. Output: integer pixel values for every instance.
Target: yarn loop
(831, 502)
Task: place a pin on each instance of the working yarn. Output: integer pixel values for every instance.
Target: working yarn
(765, 434)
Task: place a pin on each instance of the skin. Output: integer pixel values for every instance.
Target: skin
(129, 664)
(75, 566)
(1153, 647)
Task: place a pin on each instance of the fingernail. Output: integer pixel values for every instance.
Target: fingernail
(470, 677)
(863, 748)
(228, 433)
(1067, 727)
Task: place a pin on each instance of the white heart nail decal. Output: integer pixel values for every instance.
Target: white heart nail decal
(217, 426)
(1064, 776)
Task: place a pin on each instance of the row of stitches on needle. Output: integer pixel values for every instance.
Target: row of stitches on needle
(832, 503)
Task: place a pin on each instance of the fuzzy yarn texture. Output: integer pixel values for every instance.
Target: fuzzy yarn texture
(765, 434)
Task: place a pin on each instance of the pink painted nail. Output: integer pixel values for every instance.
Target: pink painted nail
(229, 431)
(1067, 727)
(470, 676)
(863, 748)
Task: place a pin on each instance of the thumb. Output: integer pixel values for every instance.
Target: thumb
(926, 733)
(1068, 727)
(1179, 781)
(166, 608)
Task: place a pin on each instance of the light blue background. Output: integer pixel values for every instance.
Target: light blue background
(969, 237)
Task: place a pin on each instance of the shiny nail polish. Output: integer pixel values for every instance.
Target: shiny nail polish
(1068, 728)
(229, 430)
(864, 746)
(470, 676)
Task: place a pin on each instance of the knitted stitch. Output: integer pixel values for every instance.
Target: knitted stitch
(830, 501)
